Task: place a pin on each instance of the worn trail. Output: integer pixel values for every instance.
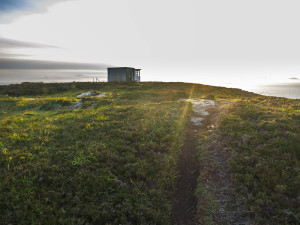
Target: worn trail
(184, 205)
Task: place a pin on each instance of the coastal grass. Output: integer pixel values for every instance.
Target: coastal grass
(264, 135)
(105, 163)
(113, 160)
(262, 138)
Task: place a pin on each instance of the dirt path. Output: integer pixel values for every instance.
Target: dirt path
(184, 205)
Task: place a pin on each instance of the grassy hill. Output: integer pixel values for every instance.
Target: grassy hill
(113, 160)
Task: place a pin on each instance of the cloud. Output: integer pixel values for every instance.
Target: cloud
(6, 43)
(8, 55)
(7, 5)
(10, 10)
(23, 64)
(294, 78)
(13, 67)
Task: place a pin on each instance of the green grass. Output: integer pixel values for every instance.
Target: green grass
(263, 136)
(113, 160)
(103, 164)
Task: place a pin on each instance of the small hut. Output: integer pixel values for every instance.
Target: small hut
(123, 74)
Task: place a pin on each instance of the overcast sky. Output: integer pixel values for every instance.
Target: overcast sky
(217, 42)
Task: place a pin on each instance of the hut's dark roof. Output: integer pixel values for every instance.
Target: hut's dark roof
(122, 68)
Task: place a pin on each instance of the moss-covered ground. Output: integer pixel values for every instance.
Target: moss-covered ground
(113, 160)
(264, 135)
(261, 138)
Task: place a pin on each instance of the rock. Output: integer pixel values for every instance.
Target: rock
(101, 95)
(89, 94)
(199, 107)
(197, 121)
(77, 105)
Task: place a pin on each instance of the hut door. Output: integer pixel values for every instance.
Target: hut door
(128, 75)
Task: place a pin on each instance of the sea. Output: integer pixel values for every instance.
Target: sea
(286, 90)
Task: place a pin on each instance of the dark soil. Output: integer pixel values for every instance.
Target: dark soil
(184, 207)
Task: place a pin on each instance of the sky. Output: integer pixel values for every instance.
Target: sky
(225, 43)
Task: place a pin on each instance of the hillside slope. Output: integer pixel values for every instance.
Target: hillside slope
(113, 160)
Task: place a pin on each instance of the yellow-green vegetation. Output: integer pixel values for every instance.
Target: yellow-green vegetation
(107, 163)
(261, 136)
(113, 160)
(264, 134)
